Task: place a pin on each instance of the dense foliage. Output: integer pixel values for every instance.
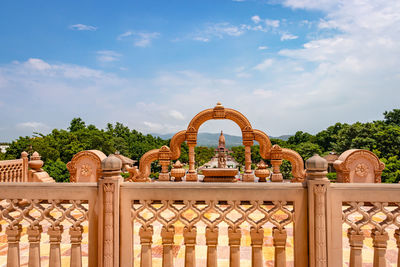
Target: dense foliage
(58, 147)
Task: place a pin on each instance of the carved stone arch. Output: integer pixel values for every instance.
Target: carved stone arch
(265, 144)
(219, 112)
(175, 144)
(145, 163)
(298, 171)
(85, 166)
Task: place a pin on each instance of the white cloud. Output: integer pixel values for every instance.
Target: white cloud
(82, 27)
(219, 30)
(256, 19)
(152, 126)
(288, 36)
(145, 38)
(264, 47)
(33, 125)
(263, 93)
(272, 23)
(264, 65)
(125, 34)
(106, 56)
(37, 64)
(176, 115)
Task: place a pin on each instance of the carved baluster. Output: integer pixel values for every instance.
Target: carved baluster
(234, 236)
(76, 250)
(257, 240)
(276, 162)
(356, 245)
(146, 239)
(189, 236)
(397, 236)
(191, 176)
(164, 158)
(167, 236)
(13, 236)
(279, 237)
(55, 240)
(212, 243)
(379, 240)
(34, 235)
(24, 156)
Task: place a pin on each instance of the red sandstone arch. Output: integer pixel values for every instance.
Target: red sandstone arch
(190, 136)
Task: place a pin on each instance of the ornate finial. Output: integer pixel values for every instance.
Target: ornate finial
(316, 168)
(35, 156)
(219, 104)
(177, 164)
(261, 165)
(111, 163)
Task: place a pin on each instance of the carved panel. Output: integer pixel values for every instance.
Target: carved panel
(85, 166)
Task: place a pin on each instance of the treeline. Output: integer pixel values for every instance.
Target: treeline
(59, 146)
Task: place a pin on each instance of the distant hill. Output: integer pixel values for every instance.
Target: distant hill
(211, 139)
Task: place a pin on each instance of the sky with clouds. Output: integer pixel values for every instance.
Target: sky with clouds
(287, 65)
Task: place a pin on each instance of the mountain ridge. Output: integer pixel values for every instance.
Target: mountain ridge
(211, 139)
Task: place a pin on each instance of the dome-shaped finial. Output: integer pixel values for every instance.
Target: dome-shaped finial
(111, 163)
(316, 163)
(219, 104)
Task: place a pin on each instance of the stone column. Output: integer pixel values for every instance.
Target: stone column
(75, 234)
(167, 236)
(248, 175)
(55, 233)
(24, 157)
(191, 176)
(212, 243)
(379, 240)
(317, 184)
(146, 239)
(257, 240)
(356, 245)
(189, 236)
(109, 187)
(13, 237)
(34, 234)
(397, 236)
(280, 246)
(164, 158)
(276, 162)
(234, 236)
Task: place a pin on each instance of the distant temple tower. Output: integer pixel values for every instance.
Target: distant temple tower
(221, 142)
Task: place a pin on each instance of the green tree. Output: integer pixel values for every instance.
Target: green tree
(391, 173)
(57, 169)
(76, 125)
(392, 116)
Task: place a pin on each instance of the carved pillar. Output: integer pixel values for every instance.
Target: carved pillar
(379, 240)
(146, 239)
(397, 236)
(191, 176)
(248, 175)
(257, 240)
(356, 245)
(317, 184)
(55, 234)
(167, 236)
(109, 186)
(212, 243)
(234, 236)
(34, 234)
(189, 236)
(24, 157)
(13, 237)
(75, 234)
(276, 162)
(164, 157)
(279, 237)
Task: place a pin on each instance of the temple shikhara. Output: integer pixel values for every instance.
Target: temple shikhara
(216, 215)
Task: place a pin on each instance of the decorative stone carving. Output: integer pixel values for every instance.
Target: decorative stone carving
(85, 166)
(262, 172)
(358, 166)
(178, 171)
(36, 173)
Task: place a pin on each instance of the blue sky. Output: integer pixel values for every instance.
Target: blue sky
(152, 65)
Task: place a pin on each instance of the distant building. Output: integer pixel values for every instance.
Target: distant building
(230, 161)
(3, 148)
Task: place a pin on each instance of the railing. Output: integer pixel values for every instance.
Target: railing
(15, 170)
(34, 208)
(125, 223)
(244, 208)
(370, 211)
